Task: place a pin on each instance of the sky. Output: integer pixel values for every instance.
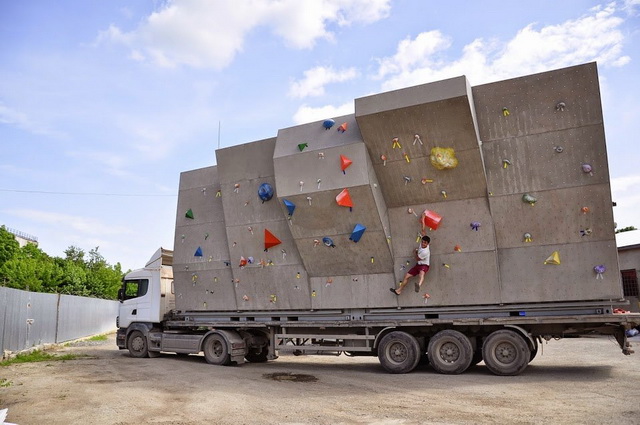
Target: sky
(104, 103)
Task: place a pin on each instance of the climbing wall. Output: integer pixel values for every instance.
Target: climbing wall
(202, 276)
(339, 219)
(274, 279)
(545, 156)
(402, 129)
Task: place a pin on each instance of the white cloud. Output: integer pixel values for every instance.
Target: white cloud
(316, 78)
(85, 225)
(593, 37)
(22, 121)
(626, 195)
(207, 34)
(306, 114)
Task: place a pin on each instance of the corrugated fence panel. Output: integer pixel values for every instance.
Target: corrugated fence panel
(28, 319)
(79, 317)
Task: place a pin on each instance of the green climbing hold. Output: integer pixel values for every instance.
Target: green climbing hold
(189, 214)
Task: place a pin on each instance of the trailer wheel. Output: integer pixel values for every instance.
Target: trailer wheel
(399, 352)
(506, 353)
(450, 352)
(257, 355)
(216, 350)
(137, 345)
(534, 351)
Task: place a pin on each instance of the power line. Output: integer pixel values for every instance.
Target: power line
(44, 192)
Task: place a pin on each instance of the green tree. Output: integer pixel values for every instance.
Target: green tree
(9, 246)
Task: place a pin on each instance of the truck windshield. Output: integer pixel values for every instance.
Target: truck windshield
(135, 288)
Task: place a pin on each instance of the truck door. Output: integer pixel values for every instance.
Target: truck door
(136, 302)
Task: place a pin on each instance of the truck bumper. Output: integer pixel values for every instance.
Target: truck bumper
(121, 338)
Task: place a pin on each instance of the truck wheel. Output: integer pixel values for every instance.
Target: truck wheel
(137, 345)
(506, 353)
(216, 351)
(257, 355)
(399, 352)
(534, 352)
(450, 352)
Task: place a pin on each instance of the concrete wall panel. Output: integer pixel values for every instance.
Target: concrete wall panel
(211, 238)
(243, 243)
(555, 218)
(532, 101)
(198, 290)
(245, 207)
(260, 285)
(248, 161)
(366, 291)
(307, 167)
(525, 277)
(536, 165)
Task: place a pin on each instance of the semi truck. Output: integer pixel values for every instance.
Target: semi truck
(291, 244)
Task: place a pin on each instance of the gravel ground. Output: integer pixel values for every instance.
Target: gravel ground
(573, 381)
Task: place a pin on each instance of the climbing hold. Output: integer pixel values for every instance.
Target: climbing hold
(344, 163)
(431, 219)
(371, 260)
(189, 214)
(475, 225)
(587, 169)
(406, 157)
(527, 237)
(250, 260)
(457, 248)
(309, 199)
(505, 163)
(558, 149)
(327, 241)
(273, 299)
(290, 206)
(600, 269)
(446, 265)
(270, 240)
(505, 112)
(343, 127)
(329, 281)
(313, 293)
(243, 262)
(357, 232)
(298, 275)
(265, 192)
(443, 158)
(560, 106)
(219, 193)
(206, 236)
(198, 252)
(586, 232)
(584, 210)
(236, 188)
(407, 179)
(426, 297)
(316, 242)
(301, 185)
(384, 160)
(554, 258)
(250, 229)
(301, 146)
(245, 298)
(284, 253)
(444, 194)
(318, 182)
(411, 211)
(395, 143)
(320, 155)
(529, 199)
(194, 278)
(425, 181)
(182, 238)
(204, 190)
(328, 123)
(416, 138)
(344, 199)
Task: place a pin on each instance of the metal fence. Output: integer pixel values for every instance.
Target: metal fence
(28, 319)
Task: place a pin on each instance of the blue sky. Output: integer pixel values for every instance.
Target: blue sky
(104, 103)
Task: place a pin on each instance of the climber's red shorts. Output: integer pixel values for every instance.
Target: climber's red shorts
(418, 268)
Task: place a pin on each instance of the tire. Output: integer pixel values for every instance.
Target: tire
(477, 353)
(534, 351)
(257, 355)
(399, 352)
(216, 350)
(506, 353)
(137, 345)
(450, 352)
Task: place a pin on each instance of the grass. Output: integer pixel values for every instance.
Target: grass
(98, 338)
(38, 356)
(4, 383)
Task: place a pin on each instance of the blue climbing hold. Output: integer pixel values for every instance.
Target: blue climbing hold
(290, 206)
(327, 241)
(358, 230)
(198, 252)
(328, 123)
(265, 192)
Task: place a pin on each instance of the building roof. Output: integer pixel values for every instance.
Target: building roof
(628, 240)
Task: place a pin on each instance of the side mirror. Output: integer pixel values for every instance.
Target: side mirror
(121, 294)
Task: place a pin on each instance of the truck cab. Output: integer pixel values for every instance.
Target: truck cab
(146, 296)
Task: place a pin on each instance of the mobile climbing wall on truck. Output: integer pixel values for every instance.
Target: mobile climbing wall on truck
(326, 214)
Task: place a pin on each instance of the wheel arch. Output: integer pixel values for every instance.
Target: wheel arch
(524, 334)
(232, 338)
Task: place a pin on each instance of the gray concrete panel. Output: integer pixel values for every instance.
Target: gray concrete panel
(245, 207)
(537, 165)
(307, 167)
(455, 227)
(214, 247)
(532, 100)
(456, 182)
(469, 278)
(205, 206)
(555, 218)
(525, 277)
(347, 257)
(256, 287)
(246, 162)
(243, 243)
(198, 290)
(199, 178)
(366, 291)
(317, 137)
